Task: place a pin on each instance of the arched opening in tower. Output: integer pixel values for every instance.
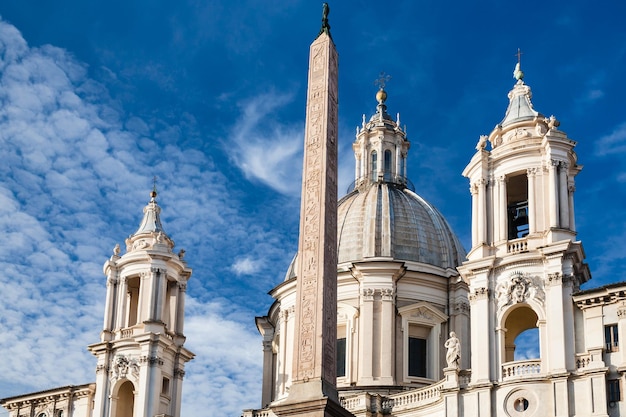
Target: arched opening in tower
(521, 339)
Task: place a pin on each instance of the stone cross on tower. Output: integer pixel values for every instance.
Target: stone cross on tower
(314, 392)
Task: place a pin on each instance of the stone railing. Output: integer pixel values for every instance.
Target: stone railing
(126, 333)
(521, 369)
(258, 413)
(517, 245)
(354, 403)
(415, 398)
(582, 360)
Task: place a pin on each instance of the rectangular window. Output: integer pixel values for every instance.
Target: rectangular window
(417, 357)
(613, 390)
(165, 387)
(610, 338)
(341, 357)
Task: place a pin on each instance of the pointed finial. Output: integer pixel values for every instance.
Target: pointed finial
(154, 193)
(325, 25)
(518, 74)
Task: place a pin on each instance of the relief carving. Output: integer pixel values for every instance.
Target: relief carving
(122, 365)
(519, 288)
(316, 285)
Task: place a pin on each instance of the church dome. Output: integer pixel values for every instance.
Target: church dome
(385, 220)
(381, 217)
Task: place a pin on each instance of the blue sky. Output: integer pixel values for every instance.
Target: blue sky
(98, 97)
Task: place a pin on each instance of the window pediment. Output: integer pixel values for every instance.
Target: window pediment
(422, 313)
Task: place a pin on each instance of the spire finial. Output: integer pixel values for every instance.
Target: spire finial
(154, 193)
(381, 82)
(518, 74)
(325, 25)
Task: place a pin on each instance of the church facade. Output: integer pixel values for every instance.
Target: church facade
(423, 328)
(426, 329)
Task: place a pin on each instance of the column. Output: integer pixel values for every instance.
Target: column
(397, 173)
(122, 296)
(110, 302)
(365, 371)
(154, 313)
(283, 346)
(482, 200)
(363, 162)
(474, 192)
(180, 307)
(388, 335)
(572, 218)
(490, 197)
(502, 209)
(563, 195)
(174, 309)
(556, 327)
(143, 297)
(553, 201)
(480, 319)
(532, 201)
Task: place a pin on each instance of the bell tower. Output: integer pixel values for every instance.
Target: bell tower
(141, 357)
(524, 263)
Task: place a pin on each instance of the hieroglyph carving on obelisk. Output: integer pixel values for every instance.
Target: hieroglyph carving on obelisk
(316, 318)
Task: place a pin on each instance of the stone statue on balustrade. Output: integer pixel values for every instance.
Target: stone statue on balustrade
(453, 355)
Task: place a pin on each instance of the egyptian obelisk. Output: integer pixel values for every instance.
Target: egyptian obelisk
(313, 391)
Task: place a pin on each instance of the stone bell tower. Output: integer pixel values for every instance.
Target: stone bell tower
(524, 263)
(141, 357)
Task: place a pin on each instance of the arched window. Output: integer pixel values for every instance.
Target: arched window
(374, 164)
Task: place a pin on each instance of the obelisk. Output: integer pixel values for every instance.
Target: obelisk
(313, 391)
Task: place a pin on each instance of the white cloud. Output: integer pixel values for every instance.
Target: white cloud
(245, 266)
(264, 149)
(613, 143)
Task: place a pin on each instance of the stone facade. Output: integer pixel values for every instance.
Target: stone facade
(521, 277)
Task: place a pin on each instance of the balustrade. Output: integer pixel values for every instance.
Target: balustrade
(521, 369)
(517, 245)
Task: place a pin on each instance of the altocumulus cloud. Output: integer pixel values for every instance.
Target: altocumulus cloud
(246, 266)
(75, 175)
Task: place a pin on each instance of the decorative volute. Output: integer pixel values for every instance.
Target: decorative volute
(380, 147)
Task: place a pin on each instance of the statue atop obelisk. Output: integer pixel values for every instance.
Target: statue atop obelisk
(314, 392)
